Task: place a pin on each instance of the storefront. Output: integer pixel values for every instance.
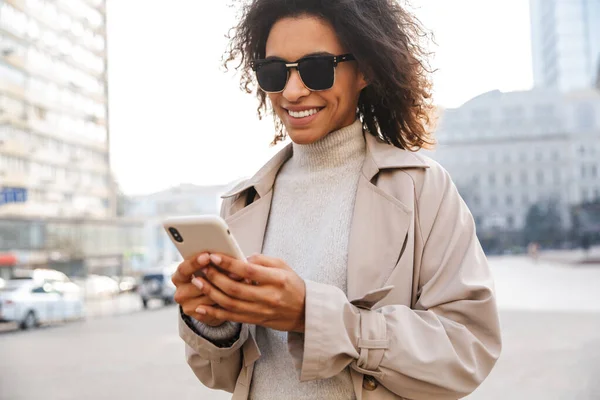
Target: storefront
(8, 262)
(75, 247)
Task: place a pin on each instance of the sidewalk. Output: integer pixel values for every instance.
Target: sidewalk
(117, 305)
(573, 257)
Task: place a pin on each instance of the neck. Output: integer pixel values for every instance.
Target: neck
(333, 150)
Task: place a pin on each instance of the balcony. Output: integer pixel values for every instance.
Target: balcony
(15, 149)
(15, 179)
(12, 89)
(21, 5)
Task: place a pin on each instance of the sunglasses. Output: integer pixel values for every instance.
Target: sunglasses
(316, 72)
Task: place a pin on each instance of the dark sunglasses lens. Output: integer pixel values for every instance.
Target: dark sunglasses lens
(317, 73)
(272, 76)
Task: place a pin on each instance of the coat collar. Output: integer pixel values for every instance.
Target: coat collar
(380, 155)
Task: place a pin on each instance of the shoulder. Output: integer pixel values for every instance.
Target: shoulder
(430, 179)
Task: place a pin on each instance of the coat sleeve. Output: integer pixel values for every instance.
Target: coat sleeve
(447, 344)
(215, 367)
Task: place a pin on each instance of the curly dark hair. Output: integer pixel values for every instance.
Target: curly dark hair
(386, 41)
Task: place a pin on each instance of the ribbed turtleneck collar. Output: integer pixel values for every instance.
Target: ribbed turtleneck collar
(334, 150)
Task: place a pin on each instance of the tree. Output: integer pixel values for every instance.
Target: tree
(543, 224)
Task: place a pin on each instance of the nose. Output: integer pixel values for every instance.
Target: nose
(295, 89)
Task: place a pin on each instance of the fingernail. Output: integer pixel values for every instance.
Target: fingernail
(215, 259)
(201, 311)
(198, 283)
(202, 258)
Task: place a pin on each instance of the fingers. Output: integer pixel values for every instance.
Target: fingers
(235, 289)
(253, 272)
(226, 301)
(189, 267)
(187, 292)
(190, 306)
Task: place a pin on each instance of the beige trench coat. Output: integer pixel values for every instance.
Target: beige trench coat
(419, 319)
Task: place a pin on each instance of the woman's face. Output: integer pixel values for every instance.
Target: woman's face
(292, 39)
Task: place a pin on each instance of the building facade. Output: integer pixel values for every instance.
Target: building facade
(54, 143)
(508, 151)
(565, 37)
(57, 202)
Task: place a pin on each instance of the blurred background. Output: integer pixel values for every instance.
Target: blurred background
(116, 114)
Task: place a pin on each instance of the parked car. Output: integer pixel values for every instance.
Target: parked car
(41, 275)
(30, 303)
(96, 286)
(157, 285)
(126, 283)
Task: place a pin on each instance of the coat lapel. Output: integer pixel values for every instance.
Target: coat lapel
(249, 224)
(379, 228)
(380, 222)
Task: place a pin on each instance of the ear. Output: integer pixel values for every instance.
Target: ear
(362, 81)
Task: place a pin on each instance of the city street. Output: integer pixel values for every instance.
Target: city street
(550, 316)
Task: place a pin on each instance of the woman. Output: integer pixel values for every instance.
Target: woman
(371, 283)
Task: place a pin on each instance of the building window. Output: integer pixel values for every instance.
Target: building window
(523, 156)
(540, 177)
(584, 115)
(594, 171)
(492, 179)
(583, 171)
(509, 200)
(508, 180)
(556, 175)
(525, 200)
(493, 200)
(524, 177)
(476, 200)
(510, 220)
(538, 155)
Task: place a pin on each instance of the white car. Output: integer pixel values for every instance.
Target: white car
(99, 286)
(30, 304)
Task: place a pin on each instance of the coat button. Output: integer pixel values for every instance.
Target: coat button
(369, 383)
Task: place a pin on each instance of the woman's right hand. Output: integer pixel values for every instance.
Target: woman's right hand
(188, 295)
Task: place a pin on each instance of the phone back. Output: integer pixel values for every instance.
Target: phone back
(196, 234)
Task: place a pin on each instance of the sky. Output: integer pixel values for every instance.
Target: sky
(175, 117)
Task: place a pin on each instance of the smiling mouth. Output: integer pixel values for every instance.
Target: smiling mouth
(303, 114)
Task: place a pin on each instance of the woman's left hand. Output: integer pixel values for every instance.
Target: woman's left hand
(275, 300)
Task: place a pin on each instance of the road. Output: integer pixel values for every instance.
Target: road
(550, 318)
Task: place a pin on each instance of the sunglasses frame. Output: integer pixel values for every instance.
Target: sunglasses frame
(256, 64)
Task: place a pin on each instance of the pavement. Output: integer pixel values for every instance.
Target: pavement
(550, 316)
(576, 256)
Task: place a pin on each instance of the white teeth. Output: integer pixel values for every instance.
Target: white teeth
(303, 114)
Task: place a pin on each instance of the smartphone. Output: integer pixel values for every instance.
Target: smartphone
(204, 233)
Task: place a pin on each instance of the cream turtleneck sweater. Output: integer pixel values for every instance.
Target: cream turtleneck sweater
(308, 228)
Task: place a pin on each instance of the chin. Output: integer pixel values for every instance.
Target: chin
(301, 136)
